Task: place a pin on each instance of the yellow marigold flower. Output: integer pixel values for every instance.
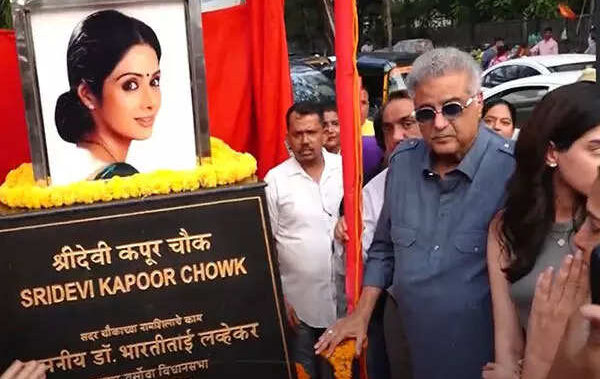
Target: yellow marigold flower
(226, 166)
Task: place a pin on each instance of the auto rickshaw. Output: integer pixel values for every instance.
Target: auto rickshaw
(383, 73)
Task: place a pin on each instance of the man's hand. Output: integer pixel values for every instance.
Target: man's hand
(341, 230)
(353, 326)
(292, 318)
(29, 370)
(553, 304)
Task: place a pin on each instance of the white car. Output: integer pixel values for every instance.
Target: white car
(537, 65)
(525, 93)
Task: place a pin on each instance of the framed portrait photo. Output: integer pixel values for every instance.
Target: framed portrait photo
(112, 86)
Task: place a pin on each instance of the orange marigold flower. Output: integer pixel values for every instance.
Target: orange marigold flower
(300, 372)
(342, 358)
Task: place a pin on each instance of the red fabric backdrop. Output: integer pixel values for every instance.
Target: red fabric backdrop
(14, 147)
(248, 85)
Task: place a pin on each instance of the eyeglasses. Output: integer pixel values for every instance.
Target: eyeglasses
(451, 110)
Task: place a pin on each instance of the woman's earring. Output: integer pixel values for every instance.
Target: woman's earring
(91, 107)
(553, 164)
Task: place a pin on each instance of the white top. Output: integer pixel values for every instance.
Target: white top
(78, 165)
(303, 215)
(373, 194)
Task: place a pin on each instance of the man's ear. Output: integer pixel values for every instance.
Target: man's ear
(479, 102)
(88, 99)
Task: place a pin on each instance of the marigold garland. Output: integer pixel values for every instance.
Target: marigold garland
(226, 166)
(342, 358)
(300, 372)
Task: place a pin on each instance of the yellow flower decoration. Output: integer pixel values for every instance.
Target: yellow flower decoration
(341, 359)
(226, 166)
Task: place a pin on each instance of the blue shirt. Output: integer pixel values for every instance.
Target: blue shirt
(430, 243)
(487, 56)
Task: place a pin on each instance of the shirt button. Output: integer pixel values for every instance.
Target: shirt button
(430, 174)
(436, 247)
(475, 249)
(506, 145)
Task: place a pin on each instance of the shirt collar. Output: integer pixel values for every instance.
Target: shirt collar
(471, 161)
(296, 168)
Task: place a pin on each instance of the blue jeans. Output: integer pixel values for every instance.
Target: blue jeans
(302, 341)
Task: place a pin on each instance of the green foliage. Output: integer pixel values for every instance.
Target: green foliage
(427, 12)
(305, 26)
(5, 16)
(413, 18)
(541, 9)
(496, 10)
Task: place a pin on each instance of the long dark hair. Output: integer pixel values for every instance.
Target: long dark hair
(562, 117)
(97, 45)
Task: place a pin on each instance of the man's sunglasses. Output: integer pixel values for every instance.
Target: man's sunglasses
(451, 110)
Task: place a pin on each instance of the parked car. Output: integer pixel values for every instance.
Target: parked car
(309, 84)
(315, 61)
(537, 65)
(525, 93)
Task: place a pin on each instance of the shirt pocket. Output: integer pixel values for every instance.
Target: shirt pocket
(403, 237)
(471, 242)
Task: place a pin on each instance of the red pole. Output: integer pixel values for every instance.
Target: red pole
(347, 89)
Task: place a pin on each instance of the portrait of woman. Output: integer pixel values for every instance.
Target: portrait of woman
(114, 96)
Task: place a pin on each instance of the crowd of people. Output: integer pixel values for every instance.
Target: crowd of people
(479, 247)
(499, 51)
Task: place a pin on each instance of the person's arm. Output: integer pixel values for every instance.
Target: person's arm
(272, 195)
(379, 270)
(272, 205)
(535, 50)
(508, 336)
(555, 48)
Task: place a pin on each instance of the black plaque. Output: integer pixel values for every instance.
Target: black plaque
(179, 286)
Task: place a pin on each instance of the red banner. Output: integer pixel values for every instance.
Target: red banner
(14, 147)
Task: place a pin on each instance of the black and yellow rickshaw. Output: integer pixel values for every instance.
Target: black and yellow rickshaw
(383, 72)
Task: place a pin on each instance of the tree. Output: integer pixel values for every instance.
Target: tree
(5, 15)
(305, 23)
(495, 10)
(387, 12)
(329, 22)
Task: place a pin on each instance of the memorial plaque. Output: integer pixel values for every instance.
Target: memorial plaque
(179, 286)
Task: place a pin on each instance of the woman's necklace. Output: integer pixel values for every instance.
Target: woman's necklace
(103, 148)
(561, 235)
